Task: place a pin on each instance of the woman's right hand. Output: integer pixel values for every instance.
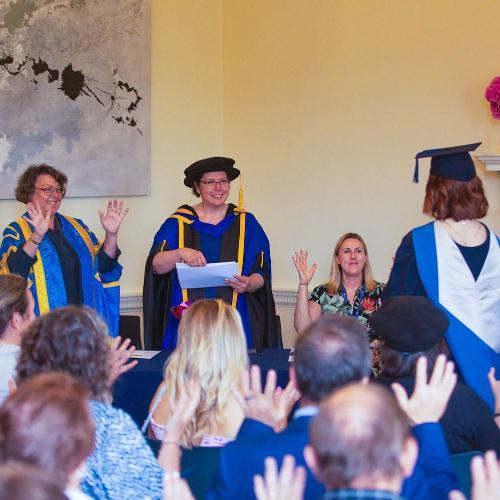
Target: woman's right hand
(191, 257)
(305, 273)
(39, 221)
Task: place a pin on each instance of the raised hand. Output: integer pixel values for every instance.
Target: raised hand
(429, 399)
(38, 220)
(184, 410)
(287, 485)
(191, 257)
(485, 472)
(115, 213)
(305, 273)
(269, 406)
(120, 358)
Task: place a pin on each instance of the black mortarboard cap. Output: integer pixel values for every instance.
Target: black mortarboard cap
(409, 323)
(215, 164)
(453, 163)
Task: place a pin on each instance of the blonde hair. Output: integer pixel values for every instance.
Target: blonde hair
(336, 272)
(211, 348)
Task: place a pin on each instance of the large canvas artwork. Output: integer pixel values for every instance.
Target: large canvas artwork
(75, 93)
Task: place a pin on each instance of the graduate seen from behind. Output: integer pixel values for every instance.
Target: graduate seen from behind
(455, 261)
(208, 232)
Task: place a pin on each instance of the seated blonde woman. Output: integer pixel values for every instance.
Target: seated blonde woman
(211, 349)
(351, 291)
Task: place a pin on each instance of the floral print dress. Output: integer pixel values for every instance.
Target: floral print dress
(364, 304)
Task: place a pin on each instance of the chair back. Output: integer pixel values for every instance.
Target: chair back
(461, 465)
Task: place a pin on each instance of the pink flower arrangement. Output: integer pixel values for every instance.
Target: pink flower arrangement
(492, 95)
(180, 309)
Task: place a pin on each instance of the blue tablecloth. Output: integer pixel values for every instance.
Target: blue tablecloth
(134, 390)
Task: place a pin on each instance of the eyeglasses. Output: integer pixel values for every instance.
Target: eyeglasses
(49, 191)
(212, 183)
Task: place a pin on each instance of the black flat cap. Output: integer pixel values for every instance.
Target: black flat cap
(215, 164)
(453, 163)
(409, 324)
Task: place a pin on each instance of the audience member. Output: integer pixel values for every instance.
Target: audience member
(16, 313)
(74, 340)
(23, 482)
(361, 444)
(211, 349)
(351, 291)
(330, 353)
(46, 423)
(411, 327)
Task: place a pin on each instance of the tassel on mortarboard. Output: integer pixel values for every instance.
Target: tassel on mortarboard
(415, 172)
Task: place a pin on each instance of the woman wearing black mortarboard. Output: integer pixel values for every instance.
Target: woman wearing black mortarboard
(455, 261)
(211, 231)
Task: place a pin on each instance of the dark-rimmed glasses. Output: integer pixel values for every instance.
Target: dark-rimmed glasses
(212, 183)
(49, 191)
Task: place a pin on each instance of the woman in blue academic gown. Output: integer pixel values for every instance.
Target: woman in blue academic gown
(210, 231)
(455, 261)
(59, 255)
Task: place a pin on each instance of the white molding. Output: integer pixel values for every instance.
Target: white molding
(133, 303)
(491, 162)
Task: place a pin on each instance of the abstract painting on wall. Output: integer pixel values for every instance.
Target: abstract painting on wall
(75, 93)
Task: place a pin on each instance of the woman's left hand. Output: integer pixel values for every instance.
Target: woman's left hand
(113, 218)
(245, 284)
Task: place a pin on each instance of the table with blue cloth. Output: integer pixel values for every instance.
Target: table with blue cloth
(134, 390)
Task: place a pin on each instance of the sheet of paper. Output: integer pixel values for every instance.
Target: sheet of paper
(209, 275)
(144, 354)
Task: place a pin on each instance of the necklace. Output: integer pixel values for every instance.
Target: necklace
(464, 240)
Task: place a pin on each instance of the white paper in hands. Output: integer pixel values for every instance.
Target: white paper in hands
(206, 276)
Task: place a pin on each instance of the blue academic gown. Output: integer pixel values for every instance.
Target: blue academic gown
(415, 272)
(432, 479)
(238, 237)
(101, 290)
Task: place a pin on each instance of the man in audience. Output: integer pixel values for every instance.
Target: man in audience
(354, 452)
(16, 313)
(329, 354)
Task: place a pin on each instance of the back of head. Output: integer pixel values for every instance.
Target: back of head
(13, 299)
(211, 348)
(358, 437)
(47, 423)
(22, 482)
(330, 353)
(409, 327)
(72, 340)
